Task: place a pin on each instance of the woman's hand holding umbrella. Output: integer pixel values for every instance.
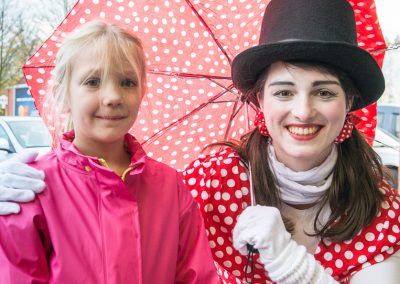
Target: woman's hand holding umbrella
(286, 261)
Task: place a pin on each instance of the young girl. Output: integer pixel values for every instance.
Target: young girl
(109, 214)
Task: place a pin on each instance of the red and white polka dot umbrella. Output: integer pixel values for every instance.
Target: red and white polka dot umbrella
(189, 45)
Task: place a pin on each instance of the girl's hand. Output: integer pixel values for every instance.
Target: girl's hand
(19, 182)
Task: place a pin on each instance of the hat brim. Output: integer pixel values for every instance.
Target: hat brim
(354, 61)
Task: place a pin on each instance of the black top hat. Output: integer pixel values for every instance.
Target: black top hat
(311, 30)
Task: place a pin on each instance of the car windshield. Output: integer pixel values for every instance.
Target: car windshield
(31, 133)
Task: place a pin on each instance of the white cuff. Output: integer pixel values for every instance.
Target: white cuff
(295, 266)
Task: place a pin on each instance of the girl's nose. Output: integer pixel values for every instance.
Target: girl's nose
(111, 94)
(303, 109)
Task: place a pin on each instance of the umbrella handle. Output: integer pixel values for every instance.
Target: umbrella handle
(252, 197)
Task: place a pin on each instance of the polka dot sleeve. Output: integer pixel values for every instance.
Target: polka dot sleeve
(373, 244)
(220, 185)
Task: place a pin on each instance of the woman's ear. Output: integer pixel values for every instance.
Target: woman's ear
(349, 104)
(260, 100)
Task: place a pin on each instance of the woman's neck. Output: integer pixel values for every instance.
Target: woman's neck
(304, 164)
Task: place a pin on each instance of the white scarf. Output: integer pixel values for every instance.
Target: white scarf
(302, 187)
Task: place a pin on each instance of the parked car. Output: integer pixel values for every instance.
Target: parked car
(19, 134)
(388, 148)
(389, 118)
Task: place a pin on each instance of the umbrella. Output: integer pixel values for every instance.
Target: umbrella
(189, 46)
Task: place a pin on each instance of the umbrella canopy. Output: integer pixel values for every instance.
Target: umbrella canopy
(189, 46)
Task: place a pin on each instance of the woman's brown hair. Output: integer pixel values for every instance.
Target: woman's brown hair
(354, 196)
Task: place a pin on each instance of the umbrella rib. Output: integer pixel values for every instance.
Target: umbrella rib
(200, 107)
(209, 30)
(235, 111)
(187, 75)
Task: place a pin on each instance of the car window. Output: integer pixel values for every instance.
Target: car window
(6, 139)
(30, 133)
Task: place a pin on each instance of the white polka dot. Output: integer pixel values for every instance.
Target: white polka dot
(192, 181)
(227, 264)
(359, 246)
(348, 254)
(362, 259)
(392, 239)
(226, 196)
(231, 183)
(371, 248)
(237, 274)
(219, 254)
(228, 161)
(238, 259)
(233, 207)
(204, 195)
(328, 256)
(379, 258)
(228, 220)
(215, 183)
(370, 237)
(385, 205)
(238, 194)
(339, 263)
(243, 177)
(235, 170)
(216, 219)
(244, 190)
(221, 209)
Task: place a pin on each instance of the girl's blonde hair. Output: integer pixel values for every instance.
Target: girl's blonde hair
(118, 51)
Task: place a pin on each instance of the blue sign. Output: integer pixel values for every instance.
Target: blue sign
(24, 104)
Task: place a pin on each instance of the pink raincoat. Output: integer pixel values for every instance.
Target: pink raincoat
(90, 226)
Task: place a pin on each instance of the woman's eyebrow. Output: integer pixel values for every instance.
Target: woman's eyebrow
(325, 82)
(278, 83)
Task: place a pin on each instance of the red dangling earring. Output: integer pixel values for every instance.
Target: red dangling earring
(259, 122)
(347, 130)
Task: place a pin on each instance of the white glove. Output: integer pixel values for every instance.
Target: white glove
(263, 228)
(285, 260)
(19, 182)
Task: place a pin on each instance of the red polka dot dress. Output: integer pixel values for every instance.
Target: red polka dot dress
(220, 184)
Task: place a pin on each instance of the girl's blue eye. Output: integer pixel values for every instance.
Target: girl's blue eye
(93, 82)
(128, 83)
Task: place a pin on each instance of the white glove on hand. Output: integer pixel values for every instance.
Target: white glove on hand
(263, 228)
(285, 260)
(19, 182)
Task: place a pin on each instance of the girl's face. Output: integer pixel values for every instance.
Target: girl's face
(102, 109)
(305, 110)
